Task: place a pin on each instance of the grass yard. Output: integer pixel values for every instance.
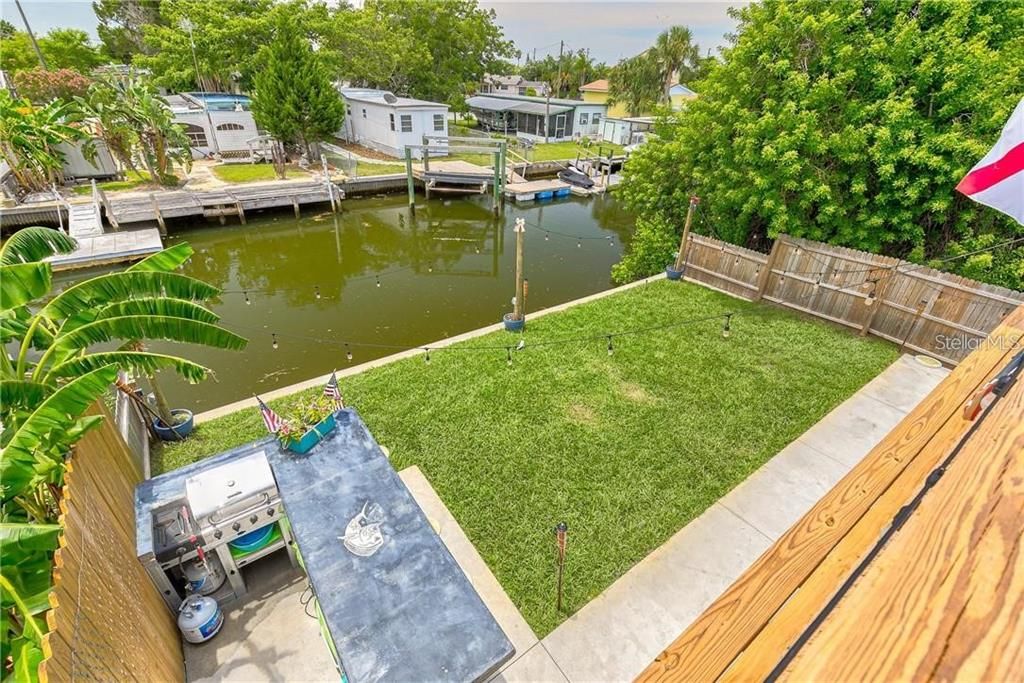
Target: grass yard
(248, 173)
(133, 181)
(367, 168)
(626, 448)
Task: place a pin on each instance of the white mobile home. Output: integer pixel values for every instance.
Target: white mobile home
(379, 120)
(233, 124)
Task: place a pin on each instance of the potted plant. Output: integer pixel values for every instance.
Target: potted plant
(308, 423)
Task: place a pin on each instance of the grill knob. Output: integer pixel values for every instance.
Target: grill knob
(270, 512)
(253, 519)
(218, 533)
(236, 526)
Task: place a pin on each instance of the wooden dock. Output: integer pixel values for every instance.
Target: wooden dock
(941, 600)
(112, 247)
(221, 203)
(537, 189)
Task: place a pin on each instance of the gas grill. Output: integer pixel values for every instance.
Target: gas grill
(217, 505)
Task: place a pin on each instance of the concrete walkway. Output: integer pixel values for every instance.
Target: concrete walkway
(616, 635)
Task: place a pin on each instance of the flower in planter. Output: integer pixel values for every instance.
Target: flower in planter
(303, 417)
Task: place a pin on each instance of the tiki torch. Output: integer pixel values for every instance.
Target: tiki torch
(560, 533)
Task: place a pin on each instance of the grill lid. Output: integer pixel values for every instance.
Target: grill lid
(229, 485)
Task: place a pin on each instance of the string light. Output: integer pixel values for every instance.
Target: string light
(508, 354)
(579, 243)
(817, 283)
(426, 355)
(782, 278)
(611, 349)
(378, 280)
(316, 291)
(726, 326)
(547, 236)
(247, 302)
(348, 353)
(871, 295)
(737, 261)
(273, 340)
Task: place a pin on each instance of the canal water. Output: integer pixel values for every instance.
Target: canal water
(447, 270)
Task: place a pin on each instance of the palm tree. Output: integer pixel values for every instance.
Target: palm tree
(676, 56)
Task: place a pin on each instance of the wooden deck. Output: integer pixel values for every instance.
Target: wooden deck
(943, 598)
(111, 247)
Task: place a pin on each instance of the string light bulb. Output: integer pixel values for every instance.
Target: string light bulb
(798, 251)
(726, 327)
(736, 261)
(273, 340)
(316, 291)
(817, 283)
(547, 236)
(870, 299)
(579, 243)
(508, 354)
(426, 355)
(611, 348)
(247, 301)
(348, 353)
(378, 280)
(782, 278)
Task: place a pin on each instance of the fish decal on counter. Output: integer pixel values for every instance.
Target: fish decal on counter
(363, 536)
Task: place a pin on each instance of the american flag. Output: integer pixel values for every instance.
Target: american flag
(271, 419)
(332, 390)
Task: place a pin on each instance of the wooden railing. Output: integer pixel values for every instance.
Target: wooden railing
(921, 309)
(107, 622)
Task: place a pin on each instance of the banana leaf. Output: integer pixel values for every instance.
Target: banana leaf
(27, 565)
(106, 289)
(140, 361)
(175, 308)
(35, 244)
(22, 283)
(167, 260)
(27, 656)
(15, 393)
(57, 413)
(150, 327)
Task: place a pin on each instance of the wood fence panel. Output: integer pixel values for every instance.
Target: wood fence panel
(921, 309)
(108, 621)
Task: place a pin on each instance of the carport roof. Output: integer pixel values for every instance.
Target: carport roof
(498, 104)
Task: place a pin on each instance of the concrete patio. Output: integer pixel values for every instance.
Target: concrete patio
(268, 637)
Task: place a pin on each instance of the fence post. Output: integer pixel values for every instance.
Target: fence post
(681, 256)
(408, 178)
(766, 275)
(880, 287)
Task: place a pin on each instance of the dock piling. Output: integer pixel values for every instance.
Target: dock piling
(408, 177)
(159, 216)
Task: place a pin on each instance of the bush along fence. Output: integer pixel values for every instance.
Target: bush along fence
(921, 309)
(107, 621)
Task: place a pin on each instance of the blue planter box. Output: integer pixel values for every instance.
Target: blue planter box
(674, 274)
(313, 436)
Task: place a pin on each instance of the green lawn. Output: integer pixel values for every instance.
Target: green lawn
(367, 168)
(247, 173)
(626, 448)
(132, 181)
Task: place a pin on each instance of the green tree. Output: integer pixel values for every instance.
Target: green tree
(62, 48)
(642, 82)
(294, 99)
(566, 75)
(847, 122)
(17, 53)
(462, 40)
(121, 23)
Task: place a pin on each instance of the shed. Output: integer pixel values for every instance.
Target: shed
(380, 120)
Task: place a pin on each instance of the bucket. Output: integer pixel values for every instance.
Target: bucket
(674, 274)
(254, 540)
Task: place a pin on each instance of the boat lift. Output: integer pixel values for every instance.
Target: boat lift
(458, 176)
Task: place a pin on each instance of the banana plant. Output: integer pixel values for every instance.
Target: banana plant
(24, 587)
(55, 374)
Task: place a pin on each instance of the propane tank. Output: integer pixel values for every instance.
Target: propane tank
(199, 618)
(205, 575)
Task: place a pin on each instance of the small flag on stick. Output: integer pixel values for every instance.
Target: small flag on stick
(333, 391)
(271, 419)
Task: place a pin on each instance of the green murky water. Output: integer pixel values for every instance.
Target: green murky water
(445, 271)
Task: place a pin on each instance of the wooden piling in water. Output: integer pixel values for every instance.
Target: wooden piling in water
(159, 216)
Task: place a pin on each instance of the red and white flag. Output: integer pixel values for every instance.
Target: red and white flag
(271, 419)
(998, 179)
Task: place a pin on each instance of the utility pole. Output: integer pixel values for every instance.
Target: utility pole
(561, 46)
(187, 25)
(32, 36)
(681, 257)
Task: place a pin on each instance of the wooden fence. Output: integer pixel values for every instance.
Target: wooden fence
(107, 622)
(921, 309)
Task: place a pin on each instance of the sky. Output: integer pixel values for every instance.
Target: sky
(611, 30)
